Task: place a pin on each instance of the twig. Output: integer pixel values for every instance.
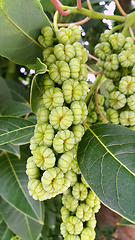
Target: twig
(26, 116)
(76, 23)
(92, 56)
(58, 4)
(131, 33)
(96, 103)
(120, 8)
(89, 5)
(79, 4)
(95, 73)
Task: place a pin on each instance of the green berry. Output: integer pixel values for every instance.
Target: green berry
(65, 36)
(78, 131)
(46, 39)
(117, 40)
(53, 97)
(109, 86)
(44, 157)
(127, 118)
(83, 212)
(76, 31)
(74, 65)
(64, 52)
(74, 225)
(64, 141)
(61, 118)
(127, 85)
(117, 100)
(31, 169)
(79, 191)
(88, 234)
(42, 115)
(111, 62)
(113, 115)
(72, 90)
(131, 102)
(126, 59)
(59, 71)
(64, 162)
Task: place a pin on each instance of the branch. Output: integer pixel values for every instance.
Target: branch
(79, 4)
(76, 23)
(58, 4)
(98, 109)
(89, 5)
(120, 8)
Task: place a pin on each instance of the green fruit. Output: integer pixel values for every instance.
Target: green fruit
(70, 203)
(59, 71)
(64, 162)
(79, 191)
(42, 115)
(31, 169)
(74, 225)
(61, 118)
(126, 59)
(117, 100)
(87, 234)
(46, 39)
(52, 98)
(127, 118)
(44, 157)
(131, 102)
(65, 36)
(109, 86)
(72, 90)
(64, 141)
(74, 65)
(84, 212)
(64, 52)
(76, 31)
(117, 40)
(127, 85)
(111, 62)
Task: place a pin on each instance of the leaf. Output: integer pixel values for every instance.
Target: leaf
(25, 227)
(21, 22)
(5, 232)
(18, 91)
(17, 109)
(15, 130)
(124, 222)
(106, 159)
(5, 95)
(35, 88)
(48, 5)
(21, 212)
(10, 148)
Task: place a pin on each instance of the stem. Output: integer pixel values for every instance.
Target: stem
(98, 109)
(128, 23)
(76, 23)
(120, 8)
(117, 27)
(55, 21)
(93, 14)
(92, 57)
(89, 5)
(94, 86)
(79, 4)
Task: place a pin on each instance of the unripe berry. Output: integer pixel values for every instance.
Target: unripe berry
(64, 141)
(74, 225)
(117, 100)
(61, 117)
(79, 191)
(59, 71)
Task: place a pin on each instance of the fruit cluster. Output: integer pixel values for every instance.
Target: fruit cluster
(116, 55)
(62, 109)
(53, 169)
(78, 212)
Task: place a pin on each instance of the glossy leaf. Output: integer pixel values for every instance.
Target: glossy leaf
(106, 159)
(15, 130)
(5, 232)
(35, 88)
(19, 209)
(18, 91)
(10, 148)
(5, 95)
(21, 23)
(25, 227)
(17, 109)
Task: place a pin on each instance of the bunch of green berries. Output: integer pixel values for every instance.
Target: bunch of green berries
(53, 169)
(116, 56)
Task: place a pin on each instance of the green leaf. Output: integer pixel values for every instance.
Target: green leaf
(10, 148)
(21, 22)
(17, 109)
(35, 88)
(18, 91)
(15, 130)
(48, 5)
(5, 95)
(124, 222)
(25, 227)
(5, 232)
(106, 159)
(21, 212)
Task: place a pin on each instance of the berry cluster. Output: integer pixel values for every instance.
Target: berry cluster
(116, 55)
(53, 169)
(62, 109)
(78, 212)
